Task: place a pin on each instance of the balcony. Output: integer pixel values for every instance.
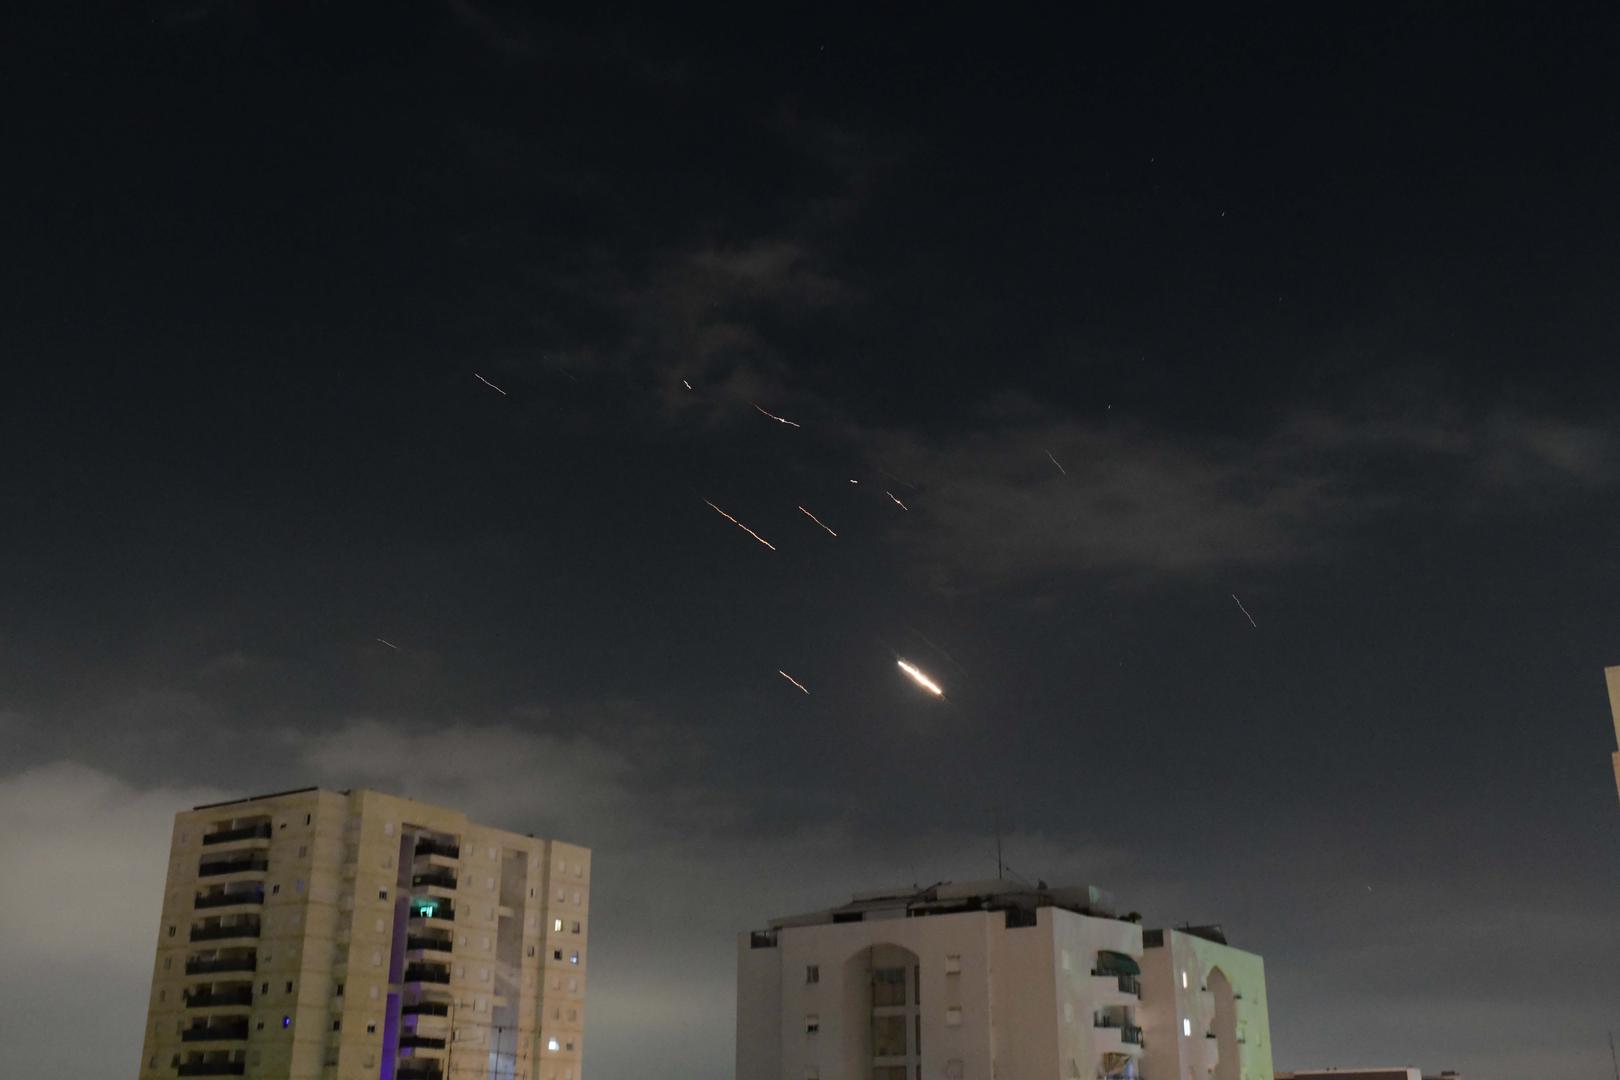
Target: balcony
(442, 848)
(246, 832)
(213, 1068)
(421, 942)
(216, 1033)
(418, 1070)
(206, 999)
(225, 963)
(427, 973)
(420, 1042)
(248, 929)
(228, 899)
(426, 1008)
(1127, 984)
(1132, 1034)
(441, 879)
(252, 863)
(432, 908)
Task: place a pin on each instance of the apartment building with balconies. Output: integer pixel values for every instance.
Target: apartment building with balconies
(354, 935)
(1204, 1012)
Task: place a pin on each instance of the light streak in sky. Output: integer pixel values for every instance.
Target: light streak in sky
(920, 679)
(489, 384)
(897, 502)
(815, 519)
(686, 384)
(1058, 463)
(740, 525)
(390, 644)
(854, 481)
(773, 416)
(1245, 611)
(791, 679)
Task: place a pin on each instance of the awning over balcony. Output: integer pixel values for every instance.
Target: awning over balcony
(1117, 963)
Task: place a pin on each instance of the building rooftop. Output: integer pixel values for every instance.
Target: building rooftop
(950, 898)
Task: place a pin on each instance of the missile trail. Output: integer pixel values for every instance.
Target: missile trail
(773, 416)
(920, 679)
(491, 385)
(740, 525)
(791, 679)
(815, 519)
(1245, 611)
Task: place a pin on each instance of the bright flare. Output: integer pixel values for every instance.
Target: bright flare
(791, 679)
(489, 384)
(897, 502)
(920, 679)
(1245, 611)
(740, 525)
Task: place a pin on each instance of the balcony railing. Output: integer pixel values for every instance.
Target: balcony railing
(428, 973)
(1132, 1034)
(444, 879)
(228, 963)
(216, 1033)
(1128, 984)
(438, 847)
(203, 999)
(433, 910)
(213, 1068)
(439, 944)
(246, 832)
(420, 1042)
(229, 899)
(232, 866)
(226, 930)
(426, 1008)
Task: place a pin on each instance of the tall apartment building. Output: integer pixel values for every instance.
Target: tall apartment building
(990, 981)
(353, 935)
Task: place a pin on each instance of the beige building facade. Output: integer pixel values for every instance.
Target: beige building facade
(1611, 675)
(354, 935)
(1204, 1011)
(969, 981)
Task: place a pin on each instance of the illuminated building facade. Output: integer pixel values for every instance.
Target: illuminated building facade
(326, 935)
(972, 981)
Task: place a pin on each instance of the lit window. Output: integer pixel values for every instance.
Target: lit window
(1186, 1026)
(1184, 980)
(812, 973)
(573, 957)
(556, 924)
(286, 1021)
(553, 1044)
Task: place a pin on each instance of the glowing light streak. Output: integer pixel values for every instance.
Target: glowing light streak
(920, 679)
(390, 644)
(897, 502)
(1245, 611)
(489, 384)
(1058, 463)
(740, 525)
(686, 384)
(791, 679)
(815, 519)
(773, 416)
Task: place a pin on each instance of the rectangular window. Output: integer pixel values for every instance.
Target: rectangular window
(556, 925)
(556, 954)
(953, 964)
(889, 987)
(1184, 979)
(888, 1036)
(382, 894)
(1186, 1026)
(573, 957)
(575, 927)
(812, 1023)
(371, 1029)
(812, 973)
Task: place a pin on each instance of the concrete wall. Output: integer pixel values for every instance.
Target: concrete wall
(1175, 1051)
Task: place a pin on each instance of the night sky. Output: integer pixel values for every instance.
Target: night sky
(1138, 314)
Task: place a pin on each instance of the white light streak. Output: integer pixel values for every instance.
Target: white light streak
(920, 679)
(686, 384)
(773, 416)
(791, 679)
(489, 384)
(1245, 611)
(1058, 463)
(740, 525)
(390, 644)
(897, 502)
(815, 519)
